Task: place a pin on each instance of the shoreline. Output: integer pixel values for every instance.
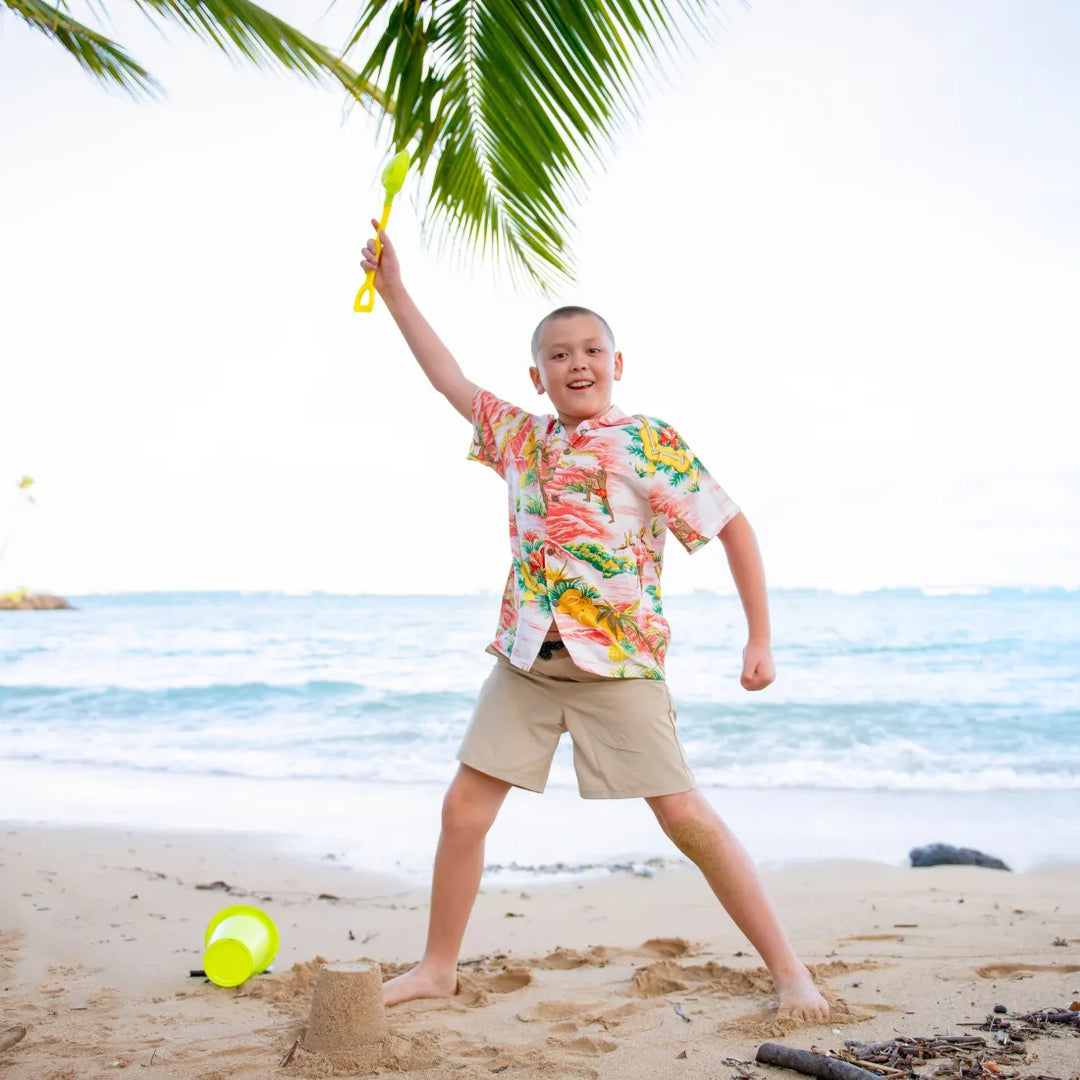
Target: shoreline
(573, 977)
(779, 827)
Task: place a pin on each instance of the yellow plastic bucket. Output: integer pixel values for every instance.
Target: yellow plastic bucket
(240, 942)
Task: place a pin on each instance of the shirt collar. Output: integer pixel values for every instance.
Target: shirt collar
(612, 415)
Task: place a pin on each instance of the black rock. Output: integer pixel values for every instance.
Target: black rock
(947, 855)
(1000, 1009)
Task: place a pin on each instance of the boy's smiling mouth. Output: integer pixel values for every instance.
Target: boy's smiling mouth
(579, 384)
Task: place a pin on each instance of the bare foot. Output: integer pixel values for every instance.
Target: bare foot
(419, 983)
(799, 998)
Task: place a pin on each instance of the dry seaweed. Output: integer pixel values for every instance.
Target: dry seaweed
(966, 1057)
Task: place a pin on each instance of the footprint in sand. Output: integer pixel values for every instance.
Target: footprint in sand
(570, 959)
(505, 982)
(475, 990)
(465, 1048)
(668, 977)
(601, 955)
(567, 1017)
(1020, 971)
(10, 1036)
(566, 1027)
(843, 967)
(553, 1011)
(870, 937)
(555, 1059)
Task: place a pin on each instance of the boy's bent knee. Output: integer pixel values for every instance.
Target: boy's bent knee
(472, 802)
(459, 820)
(670, 810)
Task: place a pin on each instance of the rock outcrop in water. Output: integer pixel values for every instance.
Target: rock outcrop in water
(22, 601)
(947, 855)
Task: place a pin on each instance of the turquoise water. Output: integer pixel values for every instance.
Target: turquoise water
(881, 694)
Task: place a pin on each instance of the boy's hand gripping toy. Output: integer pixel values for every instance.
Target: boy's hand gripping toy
(393, 177)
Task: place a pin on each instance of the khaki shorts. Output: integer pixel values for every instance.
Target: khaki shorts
(625, 740)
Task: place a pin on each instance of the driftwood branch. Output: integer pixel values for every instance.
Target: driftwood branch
(811, 1064)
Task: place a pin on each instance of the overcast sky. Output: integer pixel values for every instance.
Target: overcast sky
(840, 254)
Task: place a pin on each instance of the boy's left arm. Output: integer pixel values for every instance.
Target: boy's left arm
(748, 571)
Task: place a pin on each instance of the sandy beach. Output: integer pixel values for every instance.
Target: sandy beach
(610, 976)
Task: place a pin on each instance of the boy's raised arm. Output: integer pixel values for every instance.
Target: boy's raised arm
(433, 356)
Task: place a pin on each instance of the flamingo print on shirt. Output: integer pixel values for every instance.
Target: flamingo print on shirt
(589, 513)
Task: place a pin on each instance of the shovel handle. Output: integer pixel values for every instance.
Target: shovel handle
(365, 298)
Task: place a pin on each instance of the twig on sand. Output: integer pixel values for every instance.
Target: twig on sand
(289, 1055)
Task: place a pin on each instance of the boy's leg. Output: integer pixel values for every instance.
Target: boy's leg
(697, 831)
(472, 801)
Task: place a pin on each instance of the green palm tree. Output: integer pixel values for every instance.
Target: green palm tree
(504, 104)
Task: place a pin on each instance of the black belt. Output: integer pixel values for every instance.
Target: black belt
(549, 647)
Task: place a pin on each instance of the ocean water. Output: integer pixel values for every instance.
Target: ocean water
(898, 717)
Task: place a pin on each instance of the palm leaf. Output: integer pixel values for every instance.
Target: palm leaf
(237, 27)
(511, 103)
(241, 28)
(104, 59)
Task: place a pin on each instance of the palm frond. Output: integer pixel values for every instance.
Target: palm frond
(241, 28)
(237, 27)
(512, 103)
(97, 54)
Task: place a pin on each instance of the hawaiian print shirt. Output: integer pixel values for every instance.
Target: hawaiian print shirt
(589, 510)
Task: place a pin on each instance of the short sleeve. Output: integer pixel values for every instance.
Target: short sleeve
(695, 505)
(499, 431)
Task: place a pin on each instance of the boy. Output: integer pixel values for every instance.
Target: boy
(581, 638)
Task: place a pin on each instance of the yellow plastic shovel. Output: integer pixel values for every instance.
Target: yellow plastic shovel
(393, 177)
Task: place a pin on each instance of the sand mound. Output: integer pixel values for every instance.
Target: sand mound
(586, 1046)
(400, 1053)
(667, 948)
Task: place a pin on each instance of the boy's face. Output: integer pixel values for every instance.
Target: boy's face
(576, 365)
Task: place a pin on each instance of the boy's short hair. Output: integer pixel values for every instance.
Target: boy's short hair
(566, 313)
